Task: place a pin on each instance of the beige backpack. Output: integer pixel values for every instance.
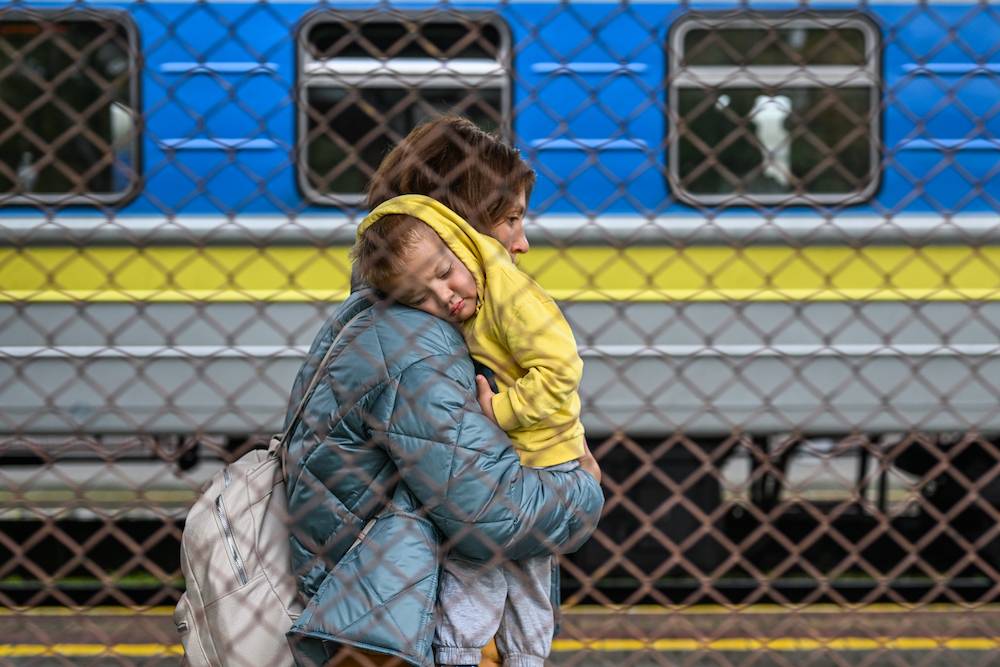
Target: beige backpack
(241, 594)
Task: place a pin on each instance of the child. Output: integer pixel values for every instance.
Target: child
(426, 256)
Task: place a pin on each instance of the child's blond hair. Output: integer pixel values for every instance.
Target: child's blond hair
(381, 252)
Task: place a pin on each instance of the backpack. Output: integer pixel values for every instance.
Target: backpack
(241, 595)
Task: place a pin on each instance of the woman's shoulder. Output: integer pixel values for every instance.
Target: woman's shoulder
(399, 337)
(422, 331)
(380, 340)
(366, 310)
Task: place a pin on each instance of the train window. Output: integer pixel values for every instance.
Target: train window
(774, 109)
(68, 101)
(831, 472)
(366, 81)
(821, 474)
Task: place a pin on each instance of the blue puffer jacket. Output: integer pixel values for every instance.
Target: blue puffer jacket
(394, 416)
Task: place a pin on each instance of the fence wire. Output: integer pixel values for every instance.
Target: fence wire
(773, 232)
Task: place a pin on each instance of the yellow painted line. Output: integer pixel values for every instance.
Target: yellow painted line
(741, 644)
(642, 273)
(90, 650)
(730, 644)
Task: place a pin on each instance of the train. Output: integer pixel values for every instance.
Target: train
(767, 222)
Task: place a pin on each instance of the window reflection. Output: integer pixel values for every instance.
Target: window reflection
(774, 108)
(67, 99)
(807, 139)
(366, 84)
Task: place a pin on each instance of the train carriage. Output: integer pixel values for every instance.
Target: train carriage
(761, 219)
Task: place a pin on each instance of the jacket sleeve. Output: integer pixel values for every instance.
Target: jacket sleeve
(540, 340)
(466, 476)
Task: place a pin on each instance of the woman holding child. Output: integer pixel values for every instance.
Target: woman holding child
(395, 459)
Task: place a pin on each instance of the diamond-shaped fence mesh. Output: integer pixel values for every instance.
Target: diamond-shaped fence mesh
(774, 233)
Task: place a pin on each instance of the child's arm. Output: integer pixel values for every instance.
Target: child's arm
(540, 340)
(485, 394)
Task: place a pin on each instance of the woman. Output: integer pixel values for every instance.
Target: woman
(472, 172)
(393, 456)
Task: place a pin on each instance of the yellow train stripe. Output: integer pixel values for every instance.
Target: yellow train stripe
(729, 644)
(642, 273)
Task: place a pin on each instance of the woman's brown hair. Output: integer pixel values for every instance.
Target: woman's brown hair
(472, 172)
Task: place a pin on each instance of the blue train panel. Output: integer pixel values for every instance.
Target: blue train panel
(597, 95)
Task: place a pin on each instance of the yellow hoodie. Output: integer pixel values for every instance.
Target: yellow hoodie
(518, 331)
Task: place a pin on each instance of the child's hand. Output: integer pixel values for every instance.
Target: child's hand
(589, 464)
(485, 397)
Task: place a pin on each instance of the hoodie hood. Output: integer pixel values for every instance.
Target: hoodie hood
(480, 253)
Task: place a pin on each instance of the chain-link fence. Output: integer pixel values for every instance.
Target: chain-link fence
(773, 231)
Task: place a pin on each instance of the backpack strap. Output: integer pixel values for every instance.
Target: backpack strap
(278, 442)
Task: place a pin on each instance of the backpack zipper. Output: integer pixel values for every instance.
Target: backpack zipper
(227, 533)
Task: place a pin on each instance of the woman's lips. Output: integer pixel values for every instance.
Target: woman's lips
(457, 308)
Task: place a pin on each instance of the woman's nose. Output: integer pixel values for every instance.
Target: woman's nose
(520, 244)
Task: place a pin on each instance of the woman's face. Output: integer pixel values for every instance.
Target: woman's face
(509, 229)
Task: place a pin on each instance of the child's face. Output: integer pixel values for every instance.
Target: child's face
(435, 281)
(509, 230)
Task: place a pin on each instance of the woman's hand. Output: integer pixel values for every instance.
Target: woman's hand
(589, 463)
(485, 397)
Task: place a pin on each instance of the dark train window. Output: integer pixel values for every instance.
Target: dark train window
(774, 109)
(366, 81)
(68, 107)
